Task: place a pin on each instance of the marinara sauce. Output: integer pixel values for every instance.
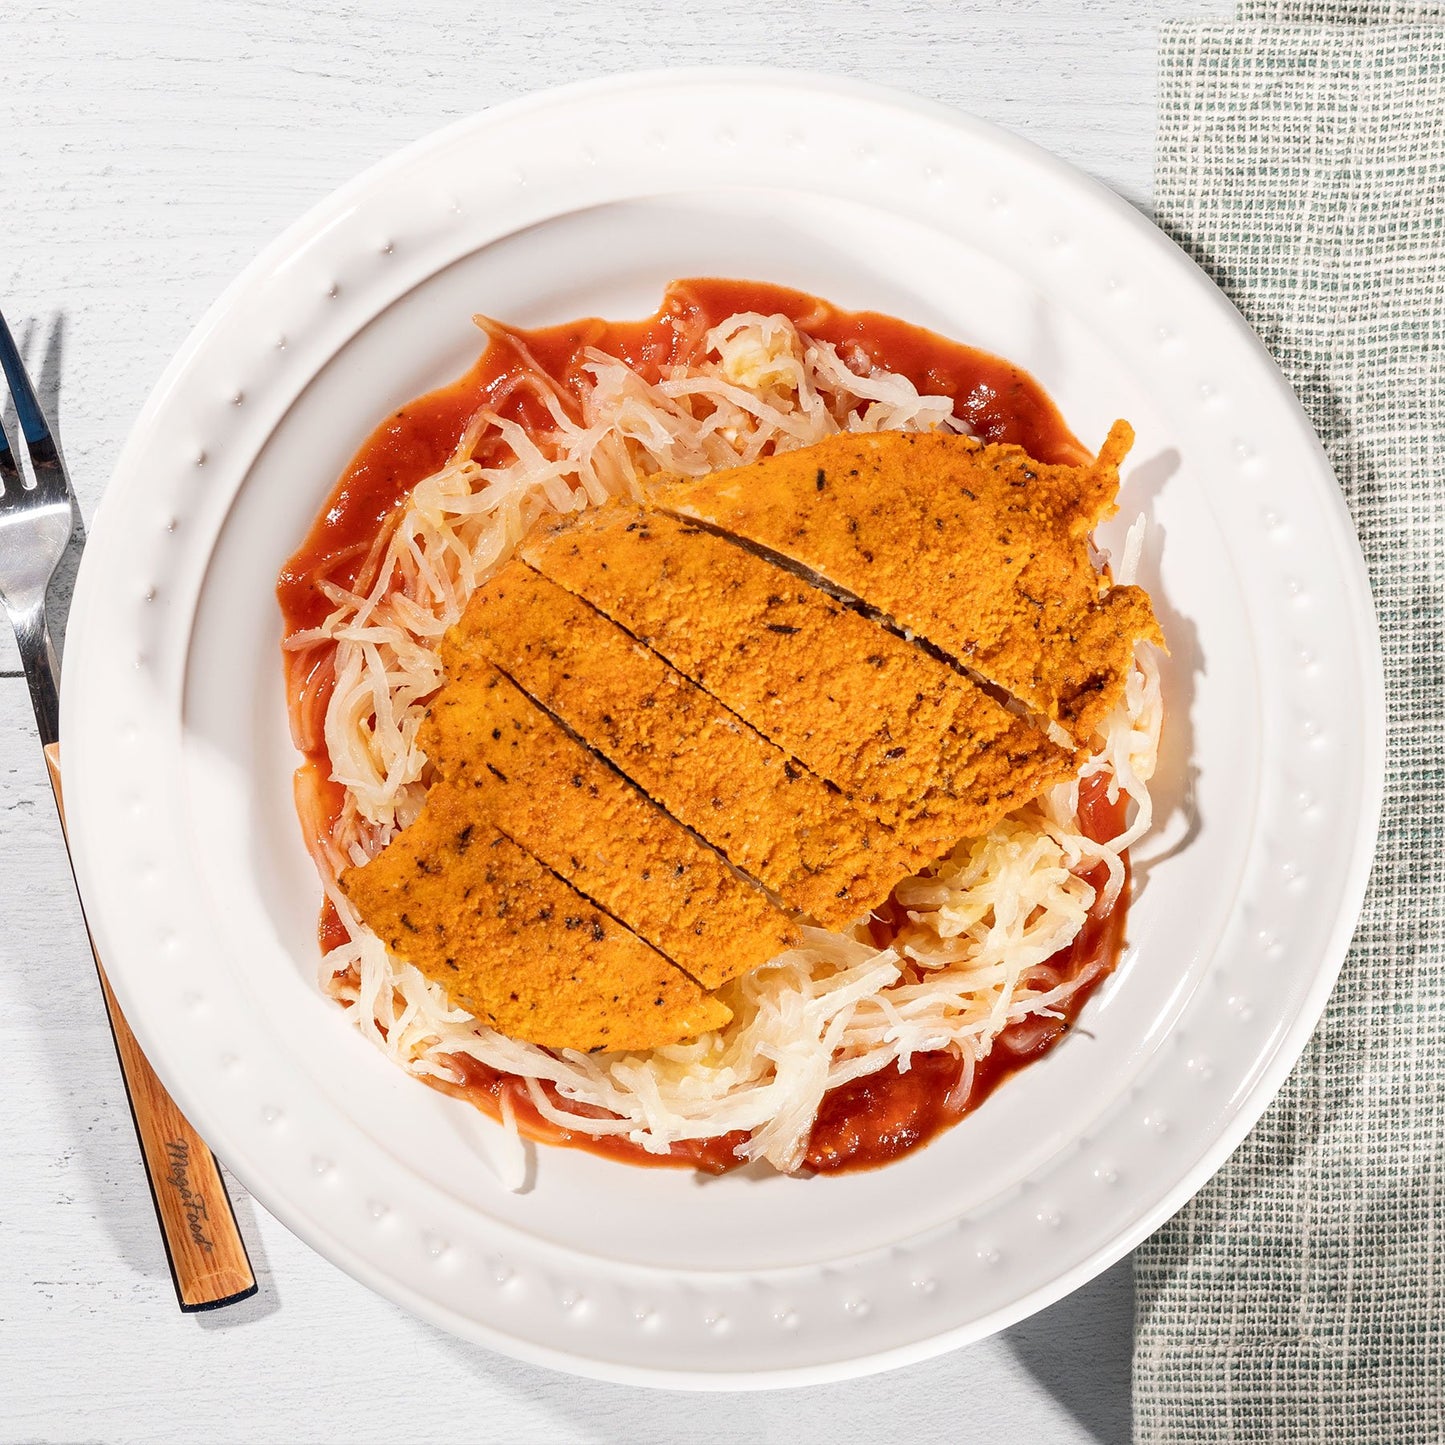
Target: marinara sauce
(872, 1120)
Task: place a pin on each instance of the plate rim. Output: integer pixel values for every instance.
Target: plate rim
(1287, 1047)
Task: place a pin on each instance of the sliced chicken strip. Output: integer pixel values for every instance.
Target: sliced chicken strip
(979, 549)
(563, 804)
(515, 945)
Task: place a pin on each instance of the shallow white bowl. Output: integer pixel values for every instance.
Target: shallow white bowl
(588, 200)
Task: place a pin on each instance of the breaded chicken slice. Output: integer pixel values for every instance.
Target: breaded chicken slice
(854, 703)
(519, 767)
(977, 548)
(901, 733)
(515, 945)
(760, 808)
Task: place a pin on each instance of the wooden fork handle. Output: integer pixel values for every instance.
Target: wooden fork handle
(204, 1249)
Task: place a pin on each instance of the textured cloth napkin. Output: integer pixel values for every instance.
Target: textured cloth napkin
(1301, 1296)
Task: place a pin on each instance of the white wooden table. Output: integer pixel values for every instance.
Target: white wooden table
(142, 162)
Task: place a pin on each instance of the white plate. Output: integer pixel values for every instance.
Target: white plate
(588, 200)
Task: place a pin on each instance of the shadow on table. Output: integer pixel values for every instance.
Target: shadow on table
(1077, 1353)
(1081, 1351)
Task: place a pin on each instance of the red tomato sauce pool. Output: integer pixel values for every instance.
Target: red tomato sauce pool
(871, 1120)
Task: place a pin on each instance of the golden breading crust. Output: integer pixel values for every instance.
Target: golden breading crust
(514, 944)
(903, 735)
(991, 762)
(979, 549)
(765, 812)
(856, 704)
(519, 767)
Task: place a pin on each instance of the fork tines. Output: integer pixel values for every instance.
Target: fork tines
(44, 456)
(9, 467)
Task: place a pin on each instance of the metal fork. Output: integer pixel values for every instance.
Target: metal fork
(35, 525)
(207, 1257)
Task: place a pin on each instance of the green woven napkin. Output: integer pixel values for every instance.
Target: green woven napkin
(1338, 12)
(1341, 12)
(1301, 1296)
